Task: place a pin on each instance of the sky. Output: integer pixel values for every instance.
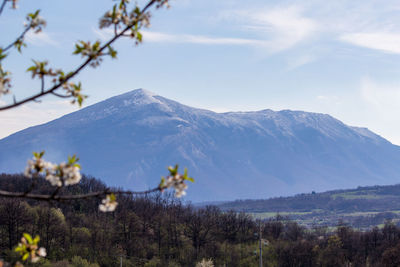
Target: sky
(336, 57)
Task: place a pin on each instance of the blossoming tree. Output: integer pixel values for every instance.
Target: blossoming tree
(126, 20)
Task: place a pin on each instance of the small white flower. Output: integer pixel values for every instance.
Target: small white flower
(54, 180)
(71, 174)
(178, 183)
(109, 204)
(68, 174)
(42, 252)
(36, 166)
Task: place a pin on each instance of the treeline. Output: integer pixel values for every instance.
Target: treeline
(362, 199)
(159, 230)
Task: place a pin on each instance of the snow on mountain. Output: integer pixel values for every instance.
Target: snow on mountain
(130, 139)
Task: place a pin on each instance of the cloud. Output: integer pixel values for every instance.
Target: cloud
(296, 62)
(275, 29)
(158, 37)
(283, 27)
(386, 42)
(28, 115)
(382, 107)
(40, 39)
(383, 97)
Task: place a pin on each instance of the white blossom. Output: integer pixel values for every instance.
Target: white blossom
(36, 166)
(54, 180)
(37, 22)
(70, 173)
(42, 252)
(57, 175)
(109, 204)
(178, 183)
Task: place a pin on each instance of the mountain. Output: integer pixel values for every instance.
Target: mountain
(130, 139)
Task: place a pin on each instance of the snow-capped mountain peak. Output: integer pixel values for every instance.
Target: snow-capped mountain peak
(130, 139)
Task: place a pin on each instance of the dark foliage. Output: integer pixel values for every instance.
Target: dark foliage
(159, 230)
(363, 207)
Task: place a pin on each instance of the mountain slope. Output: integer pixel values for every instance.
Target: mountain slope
(128, 140)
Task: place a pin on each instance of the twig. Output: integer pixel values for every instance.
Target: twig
(21, 36)
(42, 84)
(60, 95)
(3, 5)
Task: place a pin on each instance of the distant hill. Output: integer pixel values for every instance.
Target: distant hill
(130, 139)
(362, 207)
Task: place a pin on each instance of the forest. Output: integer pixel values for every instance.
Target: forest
(362, 207)
(160, 230)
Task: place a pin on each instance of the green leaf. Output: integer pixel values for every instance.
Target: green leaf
(162, 183)
(28, 238)
(32, 68)
(139, 37)
(25, 257)
(36, 239)
(173, 171)
(190, 179)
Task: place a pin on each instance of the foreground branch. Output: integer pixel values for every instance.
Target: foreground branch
(89, 60)
(56, 197)
(3, 5)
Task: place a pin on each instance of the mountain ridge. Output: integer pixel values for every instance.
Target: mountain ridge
(129, 140)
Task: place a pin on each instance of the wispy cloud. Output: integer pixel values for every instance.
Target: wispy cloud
(281, 27)
(382, 106)
(158, 37)
(40, 39)
(386, 42)
(384, 97)
(296, 62)
(32, 114)
(276, 29)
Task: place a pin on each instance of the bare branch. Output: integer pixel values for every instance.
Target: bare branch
(82, 66)
(20, 37)
(55, 197)
(60, 95)
(42, 84)
(3, 5)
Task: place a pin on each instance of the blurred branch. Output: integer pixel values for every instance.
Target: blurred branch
(55, 197)
(20, 37)
(3, 5)
(87, 62)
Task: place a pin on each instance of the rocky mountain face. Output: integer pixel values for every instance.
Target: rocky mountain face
(130, 139)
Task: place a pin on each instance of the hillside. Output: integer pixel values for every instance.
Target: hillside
(159, 230)
(130, 139)
(362, 207)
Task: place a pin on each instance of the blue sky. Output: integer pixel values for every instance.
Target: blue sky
(336, 57)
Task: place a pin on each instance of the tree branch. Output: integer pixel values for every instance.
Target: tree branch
(3, 5)
(21, 36)
(60, 95)
(82, 66)
(55, 197)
